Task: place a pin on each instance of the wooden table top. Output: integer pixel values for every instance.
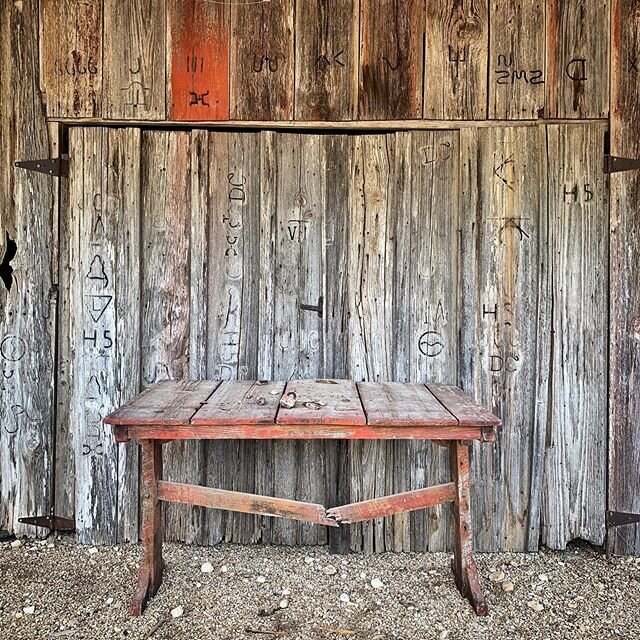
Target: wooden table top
(323, 409)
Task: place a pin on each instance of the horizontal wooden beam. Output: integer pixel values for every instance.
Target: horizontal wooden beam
(344, 125)
(243, 502)
(398, 503)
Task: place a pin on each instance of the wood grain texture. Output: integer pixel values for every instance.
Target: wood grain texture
(505, 349)
(575, 470)
(165, 294)
(133, 79)
(577, 42)
(244, 502)
(262, 60)
(326, 60)
(323, 402)
(624, 307)
(404, 404)
(516, 59)
(455, 61)
(391, 34)
(28, 308)
(241, 402)
(198, 55)
(71, 59)
(103, 262)
(463, 407)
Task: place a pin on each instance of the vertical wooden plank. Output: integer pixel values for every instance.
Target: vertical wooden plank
(391, 36)
(624, 307)
(505, 331)
(28, 307)
(433, 331)
(368, 308)
(261, 70)
(165, 295)
(326, 54)
(103, 260)
(198, 55)
(577, 37)
(574, 496)
(134, 60)
(234, 184)
(455, 61)
(516, 59)
(71, 60)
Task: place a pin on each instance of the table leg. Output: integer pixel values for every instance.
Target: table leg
(150, 575)
(463, 564)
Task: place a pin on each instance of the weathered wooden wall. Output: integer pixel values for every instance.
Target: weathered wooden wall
(477, 252)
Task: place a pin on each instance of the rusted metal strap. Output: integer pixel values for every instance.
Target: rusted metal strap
(243, 502)
(621, 518)
(397, 503)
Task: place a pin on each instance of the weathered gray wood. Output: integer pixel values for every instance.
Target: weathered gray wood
(232, 339)
(577, 37)
(505, 333)
(455, 61)
(27, 310)
(165, 295)
(133, 80)
(103, 262)
(516, 59)
(574, 498)
(326, 65)
(71, 60)
(432, 305)
(624, 307)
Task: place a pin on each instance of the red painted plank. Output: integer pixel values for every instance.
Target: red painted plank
(402, 404)
(243, 502)
(170, 402)
(304, 432)
(241, 402)
(199, 58)
(398, 503)
(323, 402)
(466, 410)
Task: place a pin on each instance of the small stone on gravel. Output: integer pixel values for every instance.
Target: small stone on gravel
(16, 543)
(93, 550)
(535, 605)
(376, 583)
(284, 603)
(30, 610)
(329, 570)
(508, 586)
(177, 612)
(261, 579)
(206, 567)
(344, 597)
(496, 576)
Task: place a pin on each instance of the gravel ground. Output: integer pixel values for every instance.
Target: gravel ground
(57, 589)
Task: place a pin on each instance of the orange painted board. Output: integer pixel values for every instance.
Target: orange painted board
(323, 402)
(199, 59)
(402, 404)
(241, 402)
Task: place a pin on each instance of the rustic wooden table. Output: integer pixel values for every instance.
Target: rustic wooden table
(208, 409)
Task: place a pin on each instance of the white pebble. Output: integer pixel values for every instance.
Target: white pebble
(543, 578)
(376, 583)
(535, 605)
(344, 597)
(261, 579)
(93, 550)
(29, 610)
(286, 592)
(284, 603)
(177, 612)
(19, 614)
(308, 560)
(198, 585)
(496, 576)
(343, 576)
(206, 567)
(508, 586)
(329, 570)
(363, 575)
(16, 543)
(109, 601)
(224, 568)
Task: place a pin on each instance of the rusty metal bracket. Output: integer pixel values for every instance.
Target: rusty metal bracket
(51, 522)
(619, 518)
(614, 164)
(58, 167)
(313, 307)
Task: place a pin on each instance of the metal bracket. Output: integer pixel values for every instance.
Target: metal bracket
(58, 167)
(619, 518)
(51, 522)
(614, 164)
(313, 307)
